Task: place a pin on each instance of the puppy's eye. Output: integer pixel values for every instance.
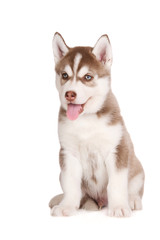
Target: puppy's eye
(65, 76)
(87, 77)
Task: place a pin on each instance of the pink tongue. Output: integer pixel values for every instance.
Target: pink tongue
(73, 111)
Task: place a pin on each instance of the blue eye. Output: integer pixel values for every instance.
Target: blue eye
(65, 76)
(88, 77)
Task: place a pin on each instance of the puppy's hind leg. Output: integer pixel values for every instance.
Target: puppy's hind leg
(136, 185)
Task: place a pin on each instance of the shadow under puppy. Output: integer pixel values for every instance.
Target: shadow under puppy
(98, 164)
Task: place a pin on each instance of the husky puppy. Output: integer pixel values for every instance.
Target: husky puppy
(97, 158)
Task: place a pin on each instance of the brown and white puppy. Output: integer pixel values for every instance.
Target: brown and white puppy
(97, 157)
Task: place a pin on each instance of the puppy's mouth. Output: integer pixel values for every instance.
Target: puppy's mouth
(74, 110)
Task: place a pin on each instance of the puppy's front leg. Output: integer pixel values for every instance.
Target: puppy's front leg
(117, 190)
(70, 178)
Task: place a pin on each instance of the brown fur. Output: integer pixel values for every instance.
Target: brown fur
(122, 154)
(134, 164)
(62, 114)
(62, 158)
(86, 203)
(125, 151)
(88, 59)
(55, 200)
(111, 108)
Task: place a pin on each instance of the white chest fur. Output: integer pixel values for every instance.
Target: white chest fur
(89, 132)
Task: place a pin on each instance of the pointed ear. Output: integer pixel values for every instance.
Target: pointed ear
(102, 50)
(60, 48)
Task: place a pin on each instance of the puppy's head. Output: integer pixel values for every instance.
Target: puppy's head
(82, 75)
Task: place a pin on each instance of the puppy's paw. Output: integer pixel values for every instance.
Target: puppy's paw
(60, 210)
(135, 203)
(119, 212)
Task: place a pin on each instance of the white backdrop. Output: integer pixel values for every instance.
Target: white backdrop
(29, 168)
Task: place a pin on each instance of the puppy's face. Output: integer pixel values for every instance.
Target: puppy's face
(82, 75)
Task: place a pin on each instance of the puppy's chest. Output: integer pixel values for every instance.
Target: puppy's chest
(93, 162)
(89, 136)
(90, 140)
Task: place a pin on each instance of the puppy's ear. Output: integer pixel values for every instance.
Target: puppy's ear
(60, 48)
(103, 51)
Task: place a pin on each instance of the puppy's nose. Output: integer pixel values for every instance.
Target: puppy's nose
(70, 96)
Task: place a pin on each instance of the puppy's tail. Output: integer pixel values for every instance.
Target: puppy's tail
(87, 203)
